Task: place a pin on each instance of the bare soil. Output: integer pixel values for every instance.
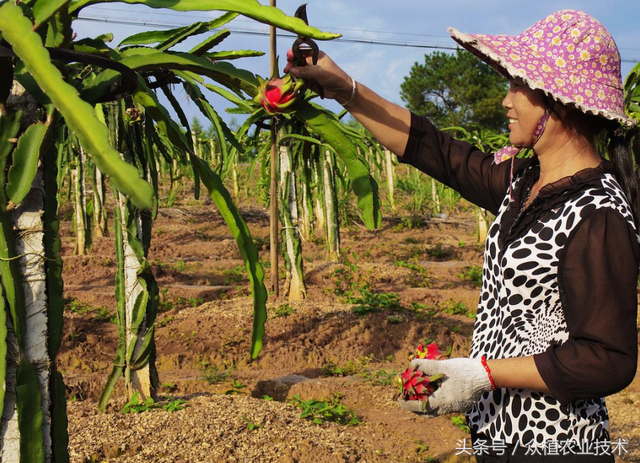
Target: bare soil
(322, 347)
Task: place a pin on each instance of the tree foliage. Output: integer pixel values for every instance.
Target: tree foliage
(632, 106)
(456, 90)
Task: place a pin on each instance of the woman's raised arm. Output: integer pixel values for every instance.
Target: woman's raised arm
(386, 121)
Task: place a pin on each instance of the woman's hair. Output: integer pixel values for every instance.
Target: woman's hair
(613, 144)
(623, 165)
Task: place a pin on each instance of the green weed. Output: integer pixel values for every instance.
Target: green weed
(472, 274)
(320, 411)
(350, 368)
(251, 426)
(104, 315)
(382, 377)
(347, 277)
(361, 367)
(394, 319)
(174, 405)
(171, 387)
(369, 302)
(422, 450)
(283, 310)
(180, 265)
(261, 243)
(236, 388)
(214, 375)
(410, 223)
(453, 307)
(78, 307)
(235, 274)
(412, 240)
(167, 303)
(136, 406)
(438, 251)
(449, 306)
(460, 422)
(170, 199)
(105, 262)
(195, 301)
(418, 190)
(188, 337)
(423, 311)
(419, 276)
(164, 303)
(159, 263)
(166, 321)
(101, 314)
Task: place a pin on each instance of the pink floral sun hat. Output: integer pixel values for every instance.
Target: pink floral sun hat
(569, 55)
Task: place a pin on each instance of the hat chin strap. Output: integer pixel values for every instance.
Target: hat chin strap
(542, 125)
(510, 152)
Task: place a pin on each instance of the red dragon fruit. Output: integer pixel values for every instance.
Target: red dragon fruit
(431, 352)
(276, 95)
(416, 385)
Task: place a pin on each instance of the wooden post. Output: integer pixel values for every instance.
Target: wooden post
(273, 200)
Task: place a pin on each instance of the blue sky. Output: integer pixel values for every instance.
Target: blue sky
(381, 67)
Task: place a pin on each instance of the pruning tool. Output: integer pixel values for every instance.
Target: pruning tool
(304, 45)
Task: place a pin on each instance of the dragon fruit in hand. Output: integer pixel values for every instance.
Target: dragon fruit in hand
(431, 352)
(416, 385)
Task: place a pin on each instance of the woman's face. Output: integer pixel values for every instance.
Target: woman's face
(524, 107)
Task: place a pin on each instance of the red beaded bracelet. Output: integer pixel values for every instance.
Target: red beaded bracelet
(483, 360)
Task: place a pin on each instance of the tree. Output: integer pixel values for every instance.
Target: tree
(456, 90)
(632, 107)
(196, 126)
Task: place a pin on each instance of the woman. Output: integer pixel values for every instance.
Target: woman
(555, 330)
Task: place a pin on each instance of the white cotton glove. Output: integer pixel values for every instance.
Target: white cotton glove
(464, 382)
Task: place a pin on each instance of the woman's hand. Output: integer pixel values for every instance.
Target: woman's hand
(465, 380)
(386, 121)
(336, 83)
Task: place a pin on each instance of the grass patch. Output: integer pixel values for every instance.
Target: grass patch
(100, 314)
(438, 251)
(236, 274)
(369, 302)
(213, 374)
(135, 405)
(419, 276)
(473, 275)
(283, 310)
(321, 411)
(361, 367)
(350, 368)
(460, 422)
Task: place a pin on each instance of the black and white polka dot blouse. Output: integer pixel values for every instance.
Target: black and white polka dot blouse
(559, 284)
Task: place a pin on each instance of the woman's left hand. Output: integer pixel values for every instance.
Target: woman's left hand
(464, 382)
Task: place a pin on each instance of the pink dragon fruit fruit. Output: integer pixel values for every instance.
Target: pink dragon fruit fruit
(276, 95)
(416, 385)
(431, 352)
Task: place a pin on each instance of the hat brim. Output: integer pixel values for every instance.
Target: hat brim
(479, 45)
